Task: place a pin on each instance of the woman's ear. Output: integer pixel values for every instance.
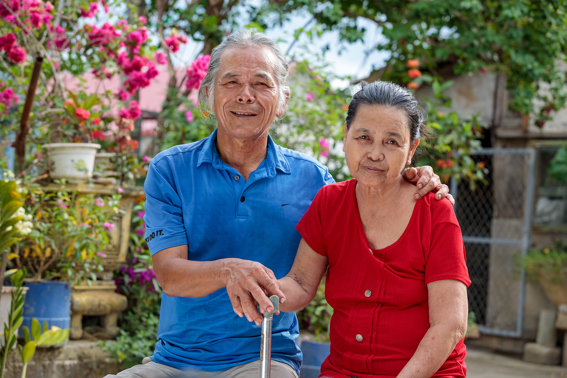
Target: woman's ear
(412, 151)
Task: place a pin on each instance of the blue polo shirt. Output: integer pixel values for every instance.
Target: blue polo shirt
(194, 198)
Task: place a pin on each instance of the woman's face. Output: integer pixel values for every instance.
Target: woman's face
(377, 145)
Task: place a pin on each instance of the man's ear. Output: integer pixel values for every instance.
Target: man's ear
(412, 151)
(280, 111)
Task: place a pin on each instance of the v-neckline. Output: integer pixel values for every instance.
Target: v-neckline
(380, 251)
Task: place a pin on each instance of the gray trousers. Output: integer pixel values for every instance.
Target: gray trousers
(150, 369)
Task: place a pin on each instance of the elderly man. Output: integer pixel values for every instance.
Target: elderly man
(220, 218)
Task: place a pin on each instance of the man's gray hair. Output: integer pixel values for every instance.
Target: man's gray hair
(244, 38)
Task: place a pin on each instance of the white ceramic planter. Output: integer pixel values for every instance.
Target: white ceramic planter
(72, 161)
(5, 301)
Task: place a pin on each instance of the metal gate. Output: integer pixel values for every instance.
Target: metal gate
(495, 219)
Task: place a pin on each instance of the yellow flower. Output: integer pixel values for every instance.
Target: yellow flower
(546, 250)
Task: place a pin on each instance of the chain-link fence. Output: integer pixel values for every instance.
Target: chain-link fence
(495, 220)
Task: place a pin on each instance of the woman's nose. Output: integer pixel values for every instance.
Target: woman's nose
(375, 154)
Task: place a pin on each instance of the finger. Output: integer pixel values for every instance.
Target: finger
(425, 174)
(273, 286)
(263, 301)
(442, 192)
(250, 309)
(410, 175)
(236, 305)
(451, 199)
(427, 186)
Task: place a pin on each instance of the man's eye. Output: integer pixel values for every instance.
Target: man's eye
(365, 137)
(392, 142)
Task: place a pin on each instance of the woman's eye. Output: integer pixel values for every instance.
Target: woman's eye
(258, 83)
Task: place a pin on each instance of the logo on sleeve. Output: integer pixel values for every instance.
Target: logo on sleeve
(153, 235)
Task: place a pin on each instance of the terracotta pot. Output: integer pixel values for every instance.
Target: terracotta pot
(555, 290)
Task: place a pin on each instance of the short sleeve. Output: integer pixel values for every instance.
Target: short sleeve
(311, 227)
(447, 257)
(164, 215)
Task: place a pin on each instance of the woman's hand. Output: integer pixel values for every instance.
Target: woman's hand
(448, 315)
(427, 181)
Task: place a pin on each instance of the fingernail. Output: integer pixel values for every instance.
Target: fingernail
(416, 196)
(270, 309)
(248, 317)
(258, 322)
(420, 185)
(439, 196)
(282, 300)
(239, 314)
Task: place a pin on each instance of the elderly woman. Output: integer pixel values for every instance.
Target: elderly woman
(396, 272)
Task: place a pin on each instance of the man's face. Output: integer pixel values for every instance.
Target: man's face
(246, 92)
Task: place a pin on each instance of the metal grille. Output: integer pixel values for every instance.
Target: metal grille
(495, 220)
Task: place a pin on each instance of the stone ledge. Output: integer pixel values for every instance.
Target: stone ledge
(77, 359)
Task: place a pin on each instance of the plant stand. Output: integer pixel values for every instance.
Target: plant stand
(99, 299)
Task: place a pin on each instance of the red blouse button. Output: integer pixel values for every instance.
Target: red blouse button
(359, 338)
(367, 293)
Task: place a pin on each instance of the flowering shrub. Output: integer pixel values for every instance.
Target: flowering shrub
(549, 261)
(136, 280)
(68, 233)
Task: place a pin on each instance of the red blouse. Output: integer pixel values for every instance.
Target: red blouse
(379, 297)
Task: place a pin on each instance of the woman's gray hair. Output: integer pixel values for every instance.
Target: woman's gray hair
(244, 38)
(389, 94)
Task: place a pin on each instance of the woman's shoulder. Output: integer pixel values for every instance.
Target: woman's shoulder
(337, 188)
(441, 210)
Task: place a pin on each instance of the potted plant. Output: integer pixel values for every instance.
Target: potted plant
(62, 249)
(548, 267)
(74, 158)
(14, 223)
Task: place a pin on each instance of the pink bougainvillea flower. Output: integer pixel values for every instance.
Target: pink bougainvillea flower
(483, 70)
(140, 231)
(82, 114)
(133, 112)
(62, 204)
(143, 20)
(7, 41)
(197, 72)
(100, 254)
(108, 226)
(122, 95)
(160, 57)
(8, 7)
(8, 98)
(17, 54)
(93, 8)
(98, 202)
(120, 190)
(413, 73)
(189, 116)
(413, 63)
(324, 147)
(86, 225)
(48, 7)
(140, 214)
(146, 158)
(96, 121)
(174, 40)
(310, 96)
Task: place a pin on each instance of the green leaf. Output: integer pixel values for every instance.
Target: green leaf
(28, 352)
(45, 326)
(35, 329)
(26, 334)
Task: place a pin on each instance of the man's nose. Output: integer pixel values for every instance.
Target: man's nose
(245, 96)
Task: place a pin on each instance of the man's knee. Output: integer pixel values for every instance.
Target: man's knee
(148, 369)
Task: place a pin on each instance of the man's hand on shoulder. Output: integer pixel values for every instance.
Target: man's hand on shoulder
(426, 181)
(248, 284)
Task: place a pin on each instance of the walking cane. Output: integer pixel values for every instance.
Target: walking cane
(266, 351)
